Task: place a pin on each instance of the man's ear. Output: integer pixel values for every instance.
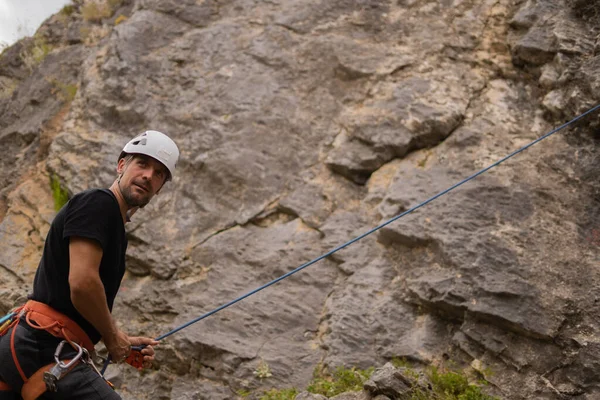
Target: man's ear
(121, 166)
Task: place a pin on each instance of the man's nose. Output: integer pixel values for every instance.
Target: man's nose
(147, 174)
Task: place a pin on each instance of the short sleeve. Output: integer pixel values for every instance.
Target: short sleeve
(90, 215)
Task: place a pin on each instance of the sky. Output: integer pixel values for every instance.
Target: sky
(19, 18)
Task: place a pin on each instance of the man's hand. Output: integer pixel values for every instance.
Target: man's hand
(147, 351)
(118, 345)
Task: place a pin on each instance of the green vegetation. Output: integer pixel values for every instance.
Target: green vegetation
(7, 87)
(114, 4)
(284, 394)
(343, 380)
(400, 362)
(422, 162)
(97, 10)
(263, 370)
(432, 384)
(59, 194)
(449, 385)
(85, 32)
(435, 384)
(67, 10)
(66, 91)
(35, 52)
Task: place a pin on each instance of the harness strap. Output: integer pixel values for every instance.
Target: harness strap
(14, 352)
(35, 386)
(42, 316)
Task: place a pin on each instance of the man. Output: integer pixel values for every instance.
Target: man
(78, 277)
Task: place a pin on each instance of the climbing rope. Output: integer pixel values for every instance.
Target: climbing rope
(378, 227)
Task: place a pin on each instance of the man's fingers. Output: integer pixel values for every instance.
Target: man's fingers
(148, 351)
(139, 341)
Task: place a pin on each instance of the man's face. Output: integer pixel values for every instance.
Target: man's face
(141, 178)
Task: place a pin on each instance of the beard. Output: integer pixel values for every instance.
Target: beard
(134, 198)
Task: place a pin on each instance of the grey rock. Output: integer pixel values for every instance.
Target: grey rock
(454, 290)
(538, 46)
(352, 396)
(11, 62)
(357, 161)
(572, 38)
(400, 119)
(308, 202)
(555, 102)
(550, 76)
(357, 60)
(527, 15)
(303, 125)
(309, 396)
(386, 381)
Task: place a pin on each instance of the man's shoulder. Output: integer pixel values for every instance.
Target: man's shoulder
(95, 196)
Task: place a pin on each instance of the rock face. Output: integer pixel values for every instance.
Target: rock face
(303, 125)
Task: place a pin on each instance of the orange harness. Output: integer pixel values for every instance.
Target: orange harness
(41, 316)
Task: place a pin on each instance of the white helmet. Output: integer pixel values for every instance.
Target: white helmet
(156, 145)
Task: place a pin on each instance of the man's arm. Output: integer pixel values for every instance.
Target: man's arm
(88, 296)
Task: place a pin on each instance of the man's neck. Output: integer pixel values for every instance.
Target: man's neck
(123, 206)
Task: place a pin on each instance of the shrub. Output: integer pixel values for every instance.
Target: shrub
(450, 386)
(283, 394)
(343, 380)
(68, 10)
(95, 11)
(114, 4)
(7, 87)
(263, 371)
(59, 194)
(66, 91)
(35, 52)
(449, 383)
(446, 385)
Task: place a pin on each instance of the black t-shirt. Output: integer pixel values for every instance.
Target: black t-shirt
(92, 214)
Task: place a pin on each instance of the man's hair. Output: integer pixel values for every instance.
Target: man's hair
(130, 156)
(127, 156)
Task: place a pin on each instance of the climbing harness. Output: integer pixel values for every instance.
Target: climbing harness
(41, 316)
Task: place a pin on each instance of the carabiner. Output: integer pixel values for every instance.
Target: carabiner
(73, 360)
